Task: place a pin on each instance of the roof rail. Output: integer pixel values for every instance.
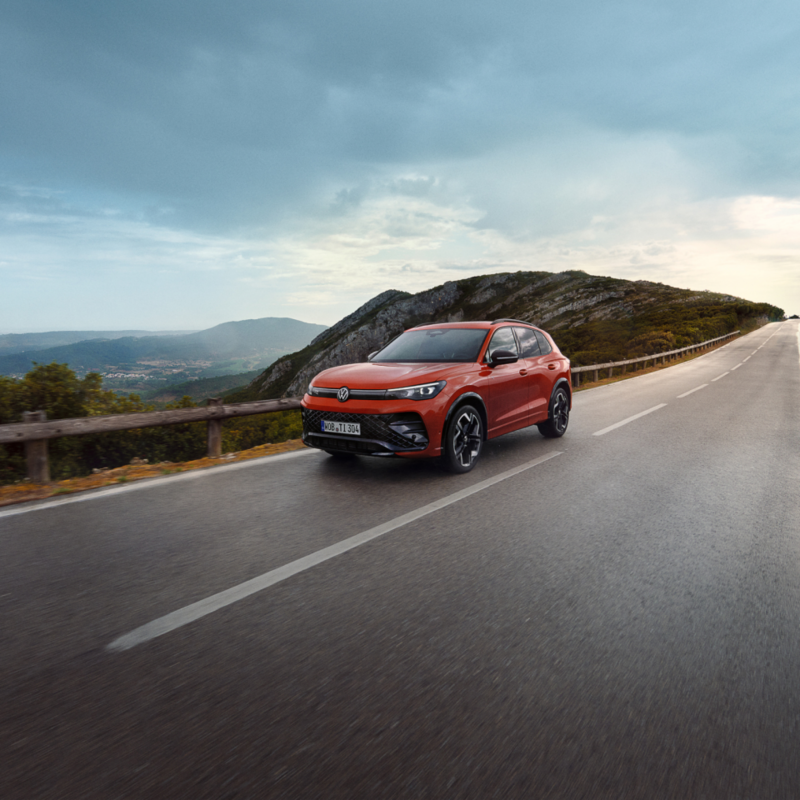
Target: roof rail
(521, 321)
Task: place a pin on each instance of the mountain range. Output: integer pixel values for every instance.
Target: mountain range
(227, 348)
(22, 342)
(593, 319)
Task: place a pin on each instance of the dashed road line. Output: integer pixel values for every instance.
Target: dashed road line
(202, 608)
(629, 419)
(736, 367)
(720, 376)
(692, 391)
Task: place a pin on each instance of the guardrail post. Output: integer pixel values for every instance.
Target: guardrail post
(214, 431)
(36, 451)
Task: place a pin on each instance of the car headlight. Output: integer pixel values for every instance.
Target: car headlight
(424, 391)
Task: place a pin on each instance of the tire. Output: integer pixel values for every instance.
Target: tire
(463, 439)
(558, 418)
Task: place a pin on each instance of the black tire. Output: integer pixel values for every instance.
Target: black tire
(558, 418)
(463, 439)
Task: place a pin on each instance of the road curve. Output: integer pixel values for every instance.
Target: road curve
(614, 614)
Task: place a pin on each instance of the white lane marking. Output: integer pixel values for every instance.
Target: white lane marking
(149, 483)
(629, 419)
(719, 376)
(747, 359)
(183, 616)
(736, 367)
(692, 391)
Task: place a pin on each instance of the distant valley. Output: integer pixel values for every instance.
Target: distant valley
(199, 389)
(148, 363)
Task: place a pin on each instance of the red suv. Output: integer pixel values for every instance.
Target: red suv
(441, 389)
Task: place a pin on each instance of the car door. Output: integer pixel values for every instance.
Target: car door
(508, 389)
(537, 377)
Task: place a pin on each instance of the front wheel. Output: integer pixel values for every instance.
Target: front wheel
(463, 438)
(556, 424)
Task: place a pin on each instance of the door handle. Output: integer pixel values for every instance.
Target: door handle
(551, 366)
(523, 372)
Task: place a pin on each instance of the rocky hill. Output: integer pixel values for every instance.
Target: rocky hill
(592, 318)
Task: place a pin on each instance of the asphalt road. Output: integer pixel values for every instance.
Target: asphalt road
(615, 614)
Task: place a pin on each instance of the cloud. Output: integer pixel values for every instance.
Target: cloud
(345, 143)
(239, 111)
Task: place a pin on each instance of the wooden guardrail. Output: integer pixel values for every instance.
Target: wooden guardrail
(663, 357)
(36, 429)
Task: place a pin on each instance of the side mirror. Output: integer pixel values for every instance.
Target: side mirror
(372, 355)
(503, 357)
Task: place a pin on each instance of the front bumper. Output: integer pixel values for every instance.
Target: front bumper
(381, 434)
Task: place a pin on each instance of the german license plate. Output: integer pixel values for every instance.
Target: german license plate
(350, 428)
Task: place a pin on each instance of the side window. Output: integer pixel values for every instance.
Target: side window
(544, 345)
(503, 339)
(527, 342)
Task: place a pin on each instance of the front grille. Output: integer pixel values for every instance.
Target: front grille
(378, 431)
(354, 394)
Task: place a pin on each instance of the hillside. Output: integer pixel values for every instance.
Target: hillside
(201, 389)
(232, 347)
(592, 318)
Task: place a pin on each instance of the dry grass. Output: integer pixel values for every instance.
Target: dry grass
(22, 492)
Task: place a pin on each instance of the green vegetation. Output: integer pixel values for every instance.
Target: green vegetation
(55, 389)
(202, 389)
(658, 331)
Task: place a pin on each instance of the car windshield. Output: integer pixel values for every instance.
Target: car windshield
(435, 344)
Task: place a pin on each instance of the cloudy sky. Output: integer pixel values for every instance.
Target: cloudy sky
(180, 163)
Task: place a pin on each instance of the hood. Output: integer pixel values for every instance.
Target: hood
(385, 376)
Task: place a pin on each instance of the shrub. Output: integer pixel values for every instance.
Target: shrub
(56, 389)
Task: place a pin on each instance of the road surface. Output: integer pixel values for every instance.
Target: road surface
(614, 614)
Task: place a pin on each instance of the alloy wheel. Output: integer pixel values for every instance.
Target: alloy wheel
(560, 411)
(466, 438)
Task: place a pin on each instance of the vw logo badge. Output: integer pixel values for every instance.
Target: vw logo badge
(343, 394)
